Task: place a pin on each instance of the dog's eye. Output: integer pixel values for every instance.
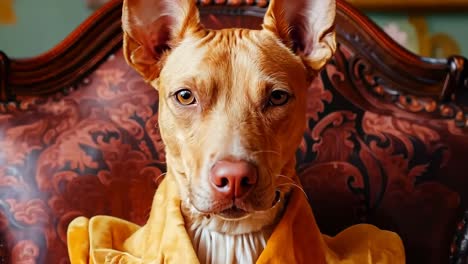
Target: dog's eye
(185, 97)
(279, 98)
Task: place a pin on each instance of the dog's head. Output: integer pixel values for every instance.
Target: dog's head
(233, 101)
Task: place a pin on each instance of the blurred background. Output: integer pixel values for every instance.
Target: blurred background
(431, 28)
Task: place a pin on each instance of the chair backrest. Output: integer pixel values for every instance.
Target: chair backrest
(386, 141)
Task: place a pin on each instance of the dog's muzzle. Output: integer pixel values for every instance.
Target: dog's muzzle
(235, 214)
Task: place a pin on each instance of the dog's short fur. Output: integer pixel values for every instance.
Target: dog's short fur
(231, 74)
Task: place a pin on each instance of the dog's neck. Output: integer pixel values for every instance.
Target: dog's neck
(216, 240)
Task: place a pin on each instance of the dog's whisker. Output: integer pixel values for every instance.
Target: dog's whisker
(148, 213)
(289, 179)
(284, 176)
(295, 185)
(266, 151)
(159, 177)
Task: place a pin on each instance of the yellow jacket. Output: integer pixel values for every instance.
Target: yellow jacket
(296, 238)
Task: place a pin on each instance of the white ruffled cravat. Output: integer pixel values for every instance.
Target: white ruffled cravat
(214, 247)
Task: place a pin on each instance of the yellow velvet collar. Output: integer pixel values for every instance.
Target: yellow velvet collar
(164, 239)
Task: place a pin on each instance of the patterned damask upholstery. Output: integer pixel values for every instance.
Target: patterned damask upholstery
(95, 149)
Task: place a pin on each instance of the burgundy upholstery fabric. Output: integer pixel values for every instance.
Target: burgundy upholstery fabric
(95, 149)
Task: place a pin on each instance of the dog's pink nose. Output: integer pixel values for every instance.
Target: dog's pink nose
(233, 179)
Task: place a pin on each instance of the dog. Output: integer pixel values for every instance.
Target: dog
(232, 112)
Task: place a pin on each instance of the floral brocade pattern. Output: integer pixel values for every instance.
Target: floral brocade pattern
(97, 150)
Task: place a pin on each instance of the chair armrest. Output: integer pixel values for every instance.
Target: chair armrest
(459, 247)
(3, 250)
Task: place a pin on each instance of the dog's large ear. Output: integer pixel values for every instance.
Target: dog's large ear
(153, 27)
(306, 26)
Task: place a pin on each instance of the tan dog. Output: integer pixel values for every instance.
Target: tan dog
(231, 111)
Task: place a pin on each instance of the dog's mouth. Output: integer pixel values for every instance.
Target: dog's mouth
(235, 213)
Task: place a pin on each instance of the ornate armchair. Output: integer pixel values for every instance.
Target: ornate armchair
(386, 143)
